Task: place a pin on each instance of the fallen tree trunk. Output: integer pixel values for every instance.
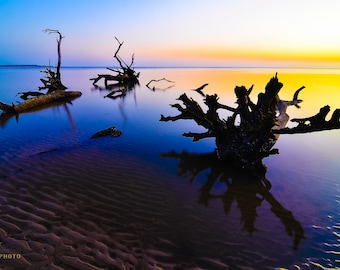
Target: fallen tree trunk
(34, 102)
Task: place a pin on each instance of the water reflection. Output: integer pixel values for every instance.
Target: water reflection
(117, 90)
(247, 189)
(6, 117)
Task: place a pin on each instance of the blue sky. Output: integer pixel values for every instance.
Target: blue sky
(173, 32)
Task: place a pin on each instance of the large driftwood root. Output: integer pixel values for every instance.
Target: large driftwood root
(250, 132)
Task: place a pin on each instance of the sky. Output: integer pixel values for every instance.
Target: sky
(173, 33)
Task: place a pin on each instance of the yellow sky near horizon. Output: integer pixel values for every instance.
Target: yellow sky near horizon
(303, 58)
(175, 33)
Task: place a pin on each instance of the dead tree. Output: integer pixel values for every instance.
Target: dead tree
(53, 78)
(246, 143)
(56, 90)
(125, 75)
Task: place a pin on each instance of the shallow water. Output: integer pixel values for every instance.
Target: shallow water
(152, 199)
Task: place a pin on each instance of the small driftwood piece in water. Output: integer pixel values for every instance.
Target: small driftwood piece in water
(34, 102)
(125, 75)
(111, 131)
(199, 89)
(153, 88)
(246, 143)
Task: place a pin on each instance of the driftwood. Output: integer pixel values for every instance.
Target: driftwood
(246, 143)
(314, 123)
(111, 131)
(38, 101)
(52, 80)
(154, 88)
(126, 75)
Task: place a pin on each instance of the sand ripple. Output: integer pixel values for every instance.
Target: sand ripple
(59, 211)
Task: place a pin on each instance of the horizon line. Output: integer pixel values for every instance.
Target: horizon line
(176, 67)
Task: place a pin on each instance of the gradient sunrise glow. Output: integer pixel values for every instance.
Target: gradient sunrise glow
(285, 33)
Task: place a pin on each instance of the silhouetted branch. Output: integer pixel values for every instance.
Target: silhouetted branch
(246, 143)
(199, 89)
(125, 75)
(163, 79)
(53, 81)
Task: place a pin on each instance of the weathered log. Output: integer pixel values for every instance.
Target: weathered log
(111, 131)
(34, 102)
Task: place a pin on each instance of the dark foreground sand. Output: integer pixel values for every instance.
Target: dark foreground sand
(83, 208)
(66, 210)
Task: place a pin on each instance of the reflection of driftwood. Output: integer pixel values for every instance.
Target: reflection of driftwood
(247, 189)
(111, 131)
(26, 95)
(125, 75)
(246, 143)
(5, 117)
(108, 77)
(118, 91)
(38, 101)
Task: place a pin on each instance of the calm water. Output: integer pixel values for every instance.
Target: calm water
(152, 199)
